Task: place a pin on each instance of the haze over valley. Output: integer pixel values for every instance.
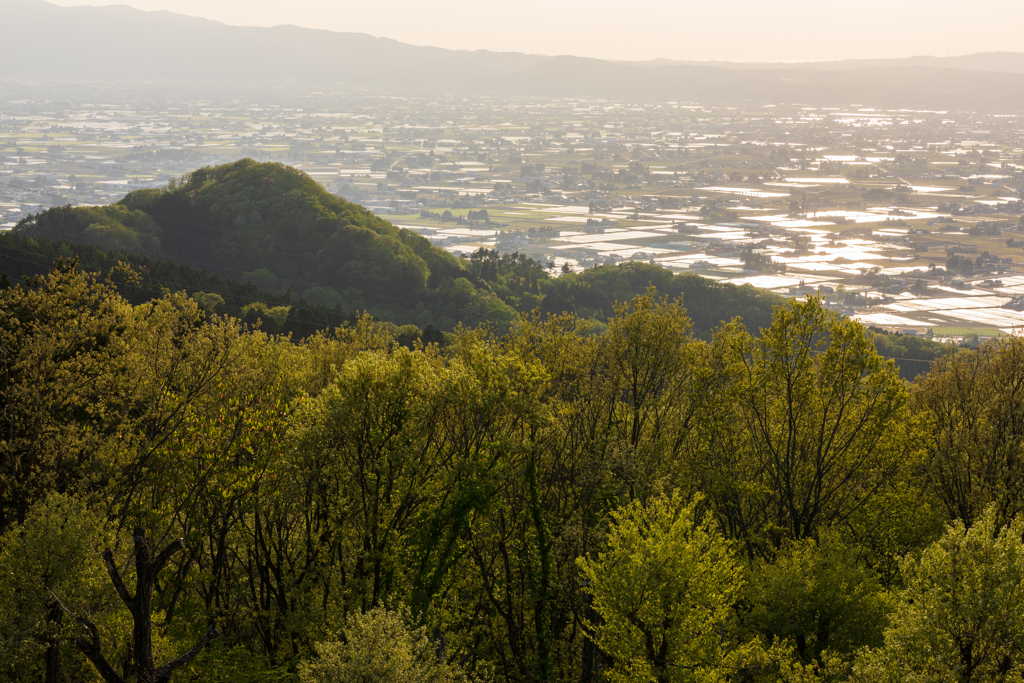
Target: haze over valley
(910, 221)
(334, 352)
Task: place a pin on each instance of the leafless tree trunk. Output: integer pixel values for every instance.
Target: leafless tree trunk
(140, 605)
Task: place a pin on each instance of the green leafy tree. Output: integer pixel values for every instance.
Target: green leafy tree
(960, 616)
(492, 518)
(140, 665)
(651, 357)
(974, 401)
(806, 426)
(595, 292)
(819, 596)
(663, 589)
(62, 342)
(208, 301)
(273, 226)
(47, 565)
(380, 645)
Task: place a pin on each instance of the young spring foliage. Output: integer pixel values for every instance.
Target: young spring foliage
(961, 616)
(662, 590)
(528, 495)
(975, 402)
(807, 424)
(380, 645)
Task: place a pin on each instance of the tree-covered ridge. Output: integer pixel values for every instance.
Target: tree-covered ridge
(274, 226)
(558, 503)
(274, 218)
(594, 293)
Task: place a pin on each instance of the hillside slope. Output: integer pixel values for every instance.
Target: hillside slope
(275, 227)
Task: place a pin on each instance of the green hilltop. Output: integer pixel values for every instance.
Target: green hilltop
(277, 228)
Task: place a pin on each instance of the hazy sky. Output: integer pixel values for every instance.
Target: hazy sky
(736, 30)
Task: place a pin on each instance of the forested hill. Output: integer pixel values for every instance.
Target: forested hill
(593, 294)
(277, 228)
(286, 251)
(274, 227)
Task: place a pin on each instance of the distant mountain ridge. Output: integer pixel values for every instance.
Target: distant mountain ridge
(51, 44)
(1000, 62)
(901, 87)
(122, 43)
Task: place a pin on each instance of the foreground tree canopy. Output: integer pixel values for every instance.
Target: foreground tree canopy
(183, 497)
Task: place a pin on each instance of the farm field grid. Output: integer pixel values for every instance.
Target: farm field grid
(907, 220)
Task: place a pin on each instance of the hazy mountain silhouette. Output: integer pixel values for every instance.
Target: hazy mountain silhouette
(45, 41)
(1003, 62)
(902, 86)
(48, 43)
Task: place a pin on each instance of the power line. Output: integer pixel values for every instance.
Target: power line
(67, 238)
(897, 358)
(177, 220)
(166, 218)
(172, 232)
(64, 236)
(435, 306)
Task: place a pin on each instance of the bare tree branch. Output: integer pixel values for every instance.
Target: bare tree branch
(164, 556)
(58, 600)
(115, 577)
(163, 674)
(90, 647)
(140, 605)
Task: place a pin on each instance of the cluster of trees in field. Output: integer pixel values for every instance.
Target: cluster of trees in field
(567, 501)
